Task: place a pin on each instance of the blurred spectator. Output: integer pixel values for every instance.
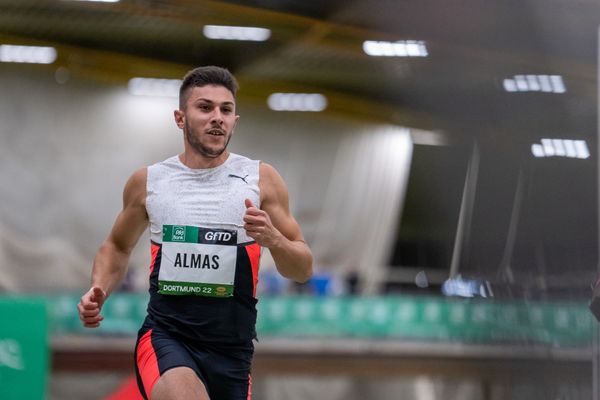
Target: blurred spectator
(271, 283)
(128, 284)
(352, 283)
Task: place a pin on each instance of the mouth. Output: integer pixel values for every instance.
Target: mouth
(216, 132)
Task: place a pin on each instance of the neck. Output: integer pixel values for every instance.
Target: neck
(194, 160)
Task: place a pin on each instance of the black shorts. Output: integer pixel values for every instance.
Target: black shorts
(225, 371)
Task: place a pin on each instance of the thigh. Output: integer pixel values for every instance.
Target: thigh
(156, 353)
(227, 373)
(179, 383)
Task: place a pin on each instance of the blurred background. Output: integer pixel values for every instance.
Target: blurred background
(441, 158)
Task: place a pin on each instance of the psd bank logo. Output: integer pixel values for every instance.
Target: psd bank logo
(11, 355)
(178, 233)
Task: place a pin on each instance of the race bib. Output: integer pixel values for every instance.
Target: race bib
(198, 261)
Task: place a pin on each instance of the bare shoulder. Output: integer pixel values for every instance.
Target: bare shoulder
(272, 185)
(139, 177)
(135, 188)
(268, 173)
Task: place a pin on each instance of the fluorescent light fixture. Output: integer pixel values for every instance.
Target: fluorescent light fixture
(223, 32)
(548, 147)
(297, 102)
(537, 150)
(521, 83)
(561, 148)
(535, 83)
(402, 48)
(557, 84)
(100, 1)
(570, 149)
(27, 54)
(154, 87)
(510, 85)
(532, 83)
(428, 138)
(545, 84)
(581, 149)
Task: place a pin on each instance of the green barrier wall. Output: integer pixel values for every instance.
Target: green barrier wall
(23, 348)
(436, 319)
(409, 318)
(26, 322)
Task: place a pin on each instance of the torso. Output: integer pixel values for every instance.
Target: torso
(181, 202)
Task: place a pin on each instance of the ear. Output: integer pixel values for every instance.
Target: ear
(237, 118)
(179, 118)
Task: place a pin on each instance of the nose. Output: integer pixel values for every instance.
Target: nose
(217, 116)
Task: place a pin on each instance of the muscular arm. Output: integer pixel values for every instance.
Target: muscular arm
(111, 261)
(274, 227)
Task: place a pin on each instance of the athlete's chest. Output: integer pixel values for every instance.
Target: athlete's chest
(200, 198)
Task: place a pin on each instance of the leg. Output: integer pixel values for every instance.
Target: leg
(165, 369)
(226, 372)
(179, 383)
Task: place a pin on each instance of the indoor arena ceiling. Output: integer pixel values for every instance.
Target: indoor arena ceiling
(317, 46)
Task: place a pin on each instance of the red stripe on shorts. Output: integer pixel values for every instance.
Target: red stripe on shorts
(253, 251)
(154, 248)
(147, 363)
(249, 387)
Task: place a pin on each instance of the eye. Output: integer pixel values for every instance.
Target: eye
(204, 107)
(227, 110)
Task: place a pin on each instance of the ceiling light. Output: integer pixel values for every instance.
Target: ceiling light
(154, 87)
(27, 54)
(570, 150)
(297, 102)
(510, 85)
(428, 138)
(557, 84)
(561, 148)
(548, 147)
(581, 149)
(532, 83)
(535, 83)
(402, 48)
(546, 86)
(537, 150)
(100, 1)
(223, 32)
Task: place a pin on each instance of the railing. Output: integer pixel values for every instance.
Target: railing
(413, 318)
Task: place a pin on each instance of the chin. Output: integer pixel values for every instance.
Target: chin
(212, 153)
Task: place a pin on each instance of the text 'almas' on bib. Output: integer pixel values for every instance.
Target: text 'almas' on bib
(197, 261)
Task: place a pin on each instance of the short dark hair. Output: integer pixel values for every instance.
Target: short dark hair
(208, 75)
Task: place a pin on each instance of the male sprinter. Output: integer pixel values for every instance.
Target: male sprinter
(209, 212)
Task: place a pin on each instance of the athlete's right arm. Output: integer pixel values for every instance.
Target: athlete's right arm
(112, 259)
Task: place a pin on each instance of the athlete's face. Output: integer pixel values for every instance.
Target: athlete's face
(208, 119)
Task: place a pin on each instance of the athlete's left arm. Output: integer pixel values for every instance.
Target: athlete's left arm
(274, 227)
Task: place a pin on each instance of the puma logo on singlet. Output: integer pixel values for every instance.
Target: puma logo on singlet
(239, 177)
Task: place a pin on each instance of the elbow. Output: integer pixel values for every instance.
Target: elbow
(303, 279)
(298, 268)
(305, 275)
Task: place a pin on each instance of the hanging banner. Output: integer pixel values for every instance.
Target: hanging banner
(23, 348)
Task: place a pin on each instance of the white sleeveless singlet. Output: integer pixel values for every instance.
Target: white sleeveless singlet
(179, 195)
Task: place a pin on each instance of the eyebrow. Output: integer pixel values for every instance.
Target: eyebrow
(225, 103)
